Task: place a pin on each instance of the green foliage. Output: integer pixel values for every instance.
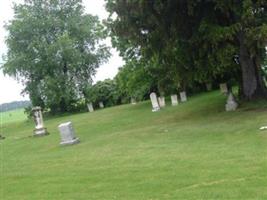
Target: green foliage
(105, 91)
(54, 49)
(189, 42)
(134, 80)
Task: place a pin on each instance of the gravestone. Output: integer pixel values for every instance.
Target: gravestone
(174, 100)
(231, 104)
(224, 88)
(67, 134)
(90, 107)
(183, 96)
(101, 104)
(161, 101)
(154, 102)
(39, 130)
(2, 137)
(133, 101)
(208, 86)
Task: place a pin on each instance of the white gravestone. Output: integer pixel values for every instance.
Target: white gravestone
(90, 107)
(133, 101)
(174, 100)
(39, 130)
(154, 102)
(67, 134)
(223, 88)
(101, 104)
(231, 104)
(161, 101)
(183, 96)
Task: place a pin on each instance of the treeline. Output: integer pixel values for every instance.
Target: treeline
(14, 105)
(180, 44)
(168, 47)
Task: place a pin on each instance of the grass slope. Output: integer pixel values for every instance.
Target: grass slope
(12, 116)
(192, 151)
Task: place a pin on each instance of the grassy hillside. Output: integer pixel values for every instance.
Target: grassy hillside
(12, 116)
(192, 151)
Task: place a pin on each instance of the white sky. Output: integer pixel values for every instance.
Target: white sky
(10, 89)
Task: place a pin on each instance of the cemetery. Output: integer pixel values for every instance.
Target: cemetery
(190, 151)
(133, 100)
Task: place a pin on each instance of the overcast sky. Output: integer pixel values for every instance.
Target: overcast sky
(10, 89)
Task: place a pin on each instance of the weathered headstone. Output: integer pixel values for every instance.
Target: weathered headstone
(183, 96)
(154, 102)
(39, 130)
(174, 99)
(133, 101)
(2, 137)
(224, 88)
(101, 104)
(161, 101)
(231, 104)
(208, 86)
(90, 107)
(67, 134)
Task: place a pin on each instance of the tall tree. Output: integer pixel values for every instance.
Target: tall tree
(196, 40)
(54, 49)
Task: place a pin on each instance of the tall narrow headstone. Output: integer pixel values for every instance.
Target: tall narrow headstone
(39, 130)
(231, 104)
(154, 102)
(67, 134)
(133, 101)
(161, 101)
(183, 96)
(90, 107)
(174, 99)
(101, 104)
(224, 88)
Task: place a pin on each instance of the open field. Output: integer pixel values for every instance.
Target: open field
(12, 116)
(192, 151)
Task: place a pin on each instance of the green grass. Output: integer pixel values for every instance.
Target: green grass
(192, 151)
(12, 116)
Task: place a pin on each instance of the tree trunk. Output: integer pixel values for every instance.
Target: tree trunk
(252, 82)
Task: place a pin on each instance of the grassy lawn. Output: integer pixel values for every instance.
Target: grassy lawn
(192, 151)
(12, 116)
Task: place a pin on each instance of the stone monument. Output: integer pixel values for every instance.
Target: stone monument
(183, 96)
(101, 104)
(154, 102)
(231, 104)
(39, 130)
(2, 137)
(224, 88)
(67, 134)
(161, 101)
(208, 86)
(133, 101)
(90, 107)
(174, 100)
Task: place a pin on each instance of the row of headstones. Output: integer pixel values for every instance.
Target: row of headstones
(65, 129)
(91, 107)
(159, 102)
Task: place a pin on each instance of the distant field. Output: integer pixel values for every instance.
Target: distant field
(12, 116)
(194, 151)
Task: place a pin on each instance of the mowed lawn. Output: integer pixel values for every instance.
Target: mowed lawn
(192, 151)
(12, 116)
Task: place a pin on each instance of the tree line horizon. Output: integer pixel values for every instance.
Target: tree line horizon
(54, 49)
